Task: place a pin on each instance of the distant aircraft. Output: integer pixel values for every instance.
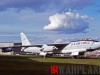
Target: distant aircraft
(74, 48)
(43, 51)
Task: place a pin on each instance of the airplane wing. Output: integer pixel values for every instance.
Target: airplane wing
(11, 48)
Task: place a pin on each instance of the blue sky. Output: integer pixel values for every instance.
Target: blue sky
(45, 21)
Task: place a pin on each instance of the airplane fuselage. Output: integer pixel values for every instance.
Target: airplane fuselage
(73, 47)
(81, 46)
(33, 49)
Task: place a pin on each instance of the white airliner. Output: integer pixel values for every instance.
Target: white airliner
(74, 48)
(81, 46)
(43, 51)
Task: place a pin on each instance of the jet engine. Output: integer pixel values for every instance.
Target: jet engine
(8, 49)
(46, 48)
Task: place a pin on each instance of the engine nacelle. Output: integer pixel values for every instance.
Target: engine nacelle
(49, 48)
(9, 49)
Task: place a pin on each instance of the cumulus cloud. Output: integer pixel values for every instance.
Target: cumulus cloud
(43, 5)
(68, 22)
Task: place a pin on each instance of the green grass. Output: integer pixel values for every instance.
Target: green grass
(69, 61)
(34, 65)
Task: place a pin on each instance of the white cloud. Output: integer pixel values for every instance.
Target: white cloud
(68, 22)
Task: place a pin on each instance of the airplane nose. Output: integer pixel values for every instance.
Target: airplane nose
(96, 45)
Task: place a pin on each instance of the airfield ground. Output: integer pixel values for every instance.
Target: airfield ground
(34, 65)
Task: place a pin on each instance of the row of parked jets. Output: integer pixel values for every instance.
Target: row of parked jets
(75, 48)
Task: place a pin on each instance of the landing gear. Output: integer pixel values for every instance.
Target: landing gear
(48, 55)
(75, 57)
(44, 56)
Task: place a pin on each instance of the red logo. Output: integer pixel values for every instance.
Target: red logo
(54, 69)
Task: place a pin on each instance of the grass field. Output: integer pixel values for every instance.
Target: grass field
(34, 65)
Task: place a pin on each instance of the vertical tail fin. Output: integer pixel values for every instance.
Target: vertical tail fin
(44, 46)
(24, 39)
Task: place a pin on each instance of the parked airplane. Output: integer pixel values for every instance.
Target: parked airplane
(43, 51)
(74, 48)
(81, 46)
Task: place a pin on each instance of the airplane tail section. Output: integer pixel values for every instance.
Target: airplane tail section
(44, 46)
(24, 39)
